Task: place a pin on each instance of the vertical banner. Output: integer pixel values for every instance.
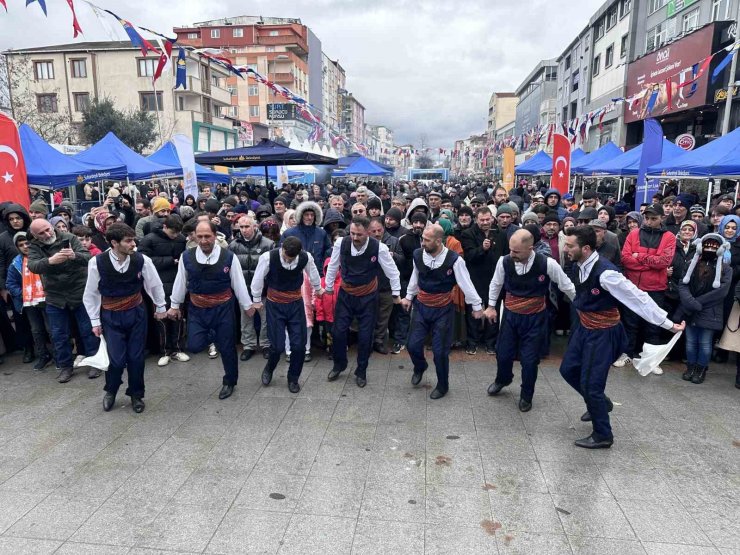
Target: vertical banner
(184, 148)
(560, 163)
(282, 175)
(508, 168)
(652, 152)
(13, 179)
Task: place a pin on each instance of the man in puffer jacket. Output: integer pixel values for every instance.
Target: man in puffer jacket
(315, 240)
(248, 247)
(646, 256)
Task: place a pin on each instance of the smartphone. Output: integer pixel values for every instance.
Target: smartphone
(65, 244)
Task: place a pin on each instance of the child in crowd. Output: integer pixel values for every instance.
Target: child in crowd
(84, 234)
(326, 304)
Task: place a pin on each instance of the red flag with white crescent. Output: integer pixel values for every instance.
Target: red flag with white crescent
(560, 163)
(13, 179)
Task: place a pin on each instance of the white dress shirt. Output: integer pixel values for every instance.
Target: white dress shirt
(554, 272)
(461, 276)
(92, 299)
(263, 267)
(627, 293)
(237, 278)
(384, 258)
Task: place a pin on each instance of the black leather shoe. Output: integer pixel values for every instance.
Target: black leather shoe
(590, 443)
(586, 416)
(524, 405)
(226, 391)
(42, 362)
(246, 355)
(28, 356)
(416, 378)
(380, 348)
(495, 388)
(334, 374)
(109, 399)
(293, 387)
(266, 377)
(65, 375)
(690, 371)
(137, 403)
(699, 375)
(437, 393)
(361, 382)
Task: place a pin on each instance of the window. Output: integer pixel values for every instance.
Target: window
(192, 35)
(624, 7)
(79, 68)
(655, 5)
(237, 32)
(720, 10)
(47, 103)
(253, 90)
(254, 111)
(691, 21)
(575, 81)
(567, 62)
(600, 28)
(609, 56)
(215, 33)
(565, 114)
(274, 34)
(150, 103)
(551, 74)
(180, 103)
(611, 17)
(269, 49)
(44, 70)
(82, 101)
(573, 109)
(655, 37)
(147, 67)
(623, 47)
(596, 66)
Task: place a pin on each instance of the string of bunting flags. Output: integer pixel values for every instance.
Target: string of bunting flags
(164, 50)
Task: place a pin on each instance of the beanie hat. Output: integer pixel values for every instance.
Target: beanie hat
(551, 217)
(530, 217)
(697, 209)
(465, 210)
(685, 199)
(394, 214)
(281, 198)
(39, 206)
(621, 208)
(419, 217)
(570, 219)
(55, 220)
(211, 205)
(699, 244)
(160, 203)
(186, 212)
(18, 236)
(374, 202)
(505, 208)
(514, 207)
(231, 199)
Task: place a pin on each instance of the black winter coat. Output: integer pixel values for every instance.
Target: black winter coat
(481, 263)
(249, 252)
(165, 254)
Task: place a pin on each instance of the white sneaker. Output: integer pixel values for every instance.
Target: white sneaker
(658, 371)
(77, 361)
(212, 352)
(182, 357)
(622, 361)
(560, 333)
(163, 361)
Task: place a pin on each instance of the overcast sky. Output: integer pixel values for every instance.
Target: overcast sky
(421, 67)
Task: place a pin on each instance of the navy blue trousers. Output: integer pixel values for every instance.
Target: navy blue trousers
(522, 334)
(438, 322)
(290, 317)
(125, 335)
(348, 307)
(215, 325)
(585, 367)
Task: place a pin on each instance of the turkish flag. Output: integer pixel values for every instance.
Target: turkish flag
(13, 180)
(560, 163)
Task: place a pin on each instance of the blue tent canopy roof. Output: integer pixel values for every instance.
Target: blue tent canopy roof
(48, 167)
(576, 155)
(719, 158)
(110, 150)
(266, 153)
(628, 164)
(539, 164)
(362, 166)
(167, 156)
(606, 152)
(346, 161)
(259, 171)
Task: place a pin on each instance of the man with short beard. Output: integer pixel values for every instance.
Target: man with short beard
(61, 261)
(464, 221)
(500, 196)
(407, 244)
(393, 225)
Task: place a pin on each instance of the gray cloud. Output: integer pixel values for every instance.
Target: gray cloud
(419, 66)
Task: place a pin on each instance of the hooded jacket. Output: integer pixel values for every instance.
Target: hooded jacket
(333, 216)
(7, 247)
(313, 238)
(416, 203)
(646, 256)
(562, 212)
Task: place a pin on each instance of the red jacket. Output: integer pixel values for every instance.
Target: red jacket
(648, 270)
(326, 304)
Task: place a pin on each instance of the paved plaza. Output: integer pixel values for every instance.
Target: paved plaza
(338, 469)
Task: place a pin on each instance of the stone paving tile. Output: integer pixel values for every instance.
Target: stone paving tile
(339, 469)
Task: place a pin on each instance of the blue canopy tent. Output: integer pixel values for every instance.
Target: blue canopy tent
(539, 164)
(48, 167)
(576, 155)
(603, 154)
(362, 166)
(718, 159)
(110, 150)
(628, 164)
(348, 160)
(167, 156)
(256, 171)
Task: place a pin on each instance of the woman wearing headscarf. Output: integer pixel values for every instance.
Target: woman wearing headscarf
(729, 229)
(288, 220)
(458, 298)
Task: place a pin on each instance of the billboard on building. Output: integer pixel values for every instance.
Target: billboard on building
(657, 67)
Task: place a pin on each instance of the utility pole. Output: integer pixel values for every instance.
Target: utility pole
(731, 80)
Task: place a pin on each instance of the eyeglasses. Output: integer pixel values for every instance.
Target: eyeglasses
(358, 211)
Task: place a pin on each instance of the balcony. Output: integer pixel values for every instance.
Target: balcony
(211, 119)
(282, 78)
(291, 41)
(220, 96)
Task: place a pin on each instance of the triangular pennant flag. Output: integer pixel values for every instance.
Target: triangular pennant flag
(42, 3)
(75, 24)
(722, 65)
(4, 5)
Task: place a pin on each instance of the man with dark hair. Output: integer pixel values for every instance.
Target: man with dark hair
(525, 276)
(385, 299)
(282, 270)
(407, 244)
(500, 196)
(116, 309)
(315, 240)
(436, 271)
(360, 259)
(600, 337)
(213, 276)
(165, 245)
